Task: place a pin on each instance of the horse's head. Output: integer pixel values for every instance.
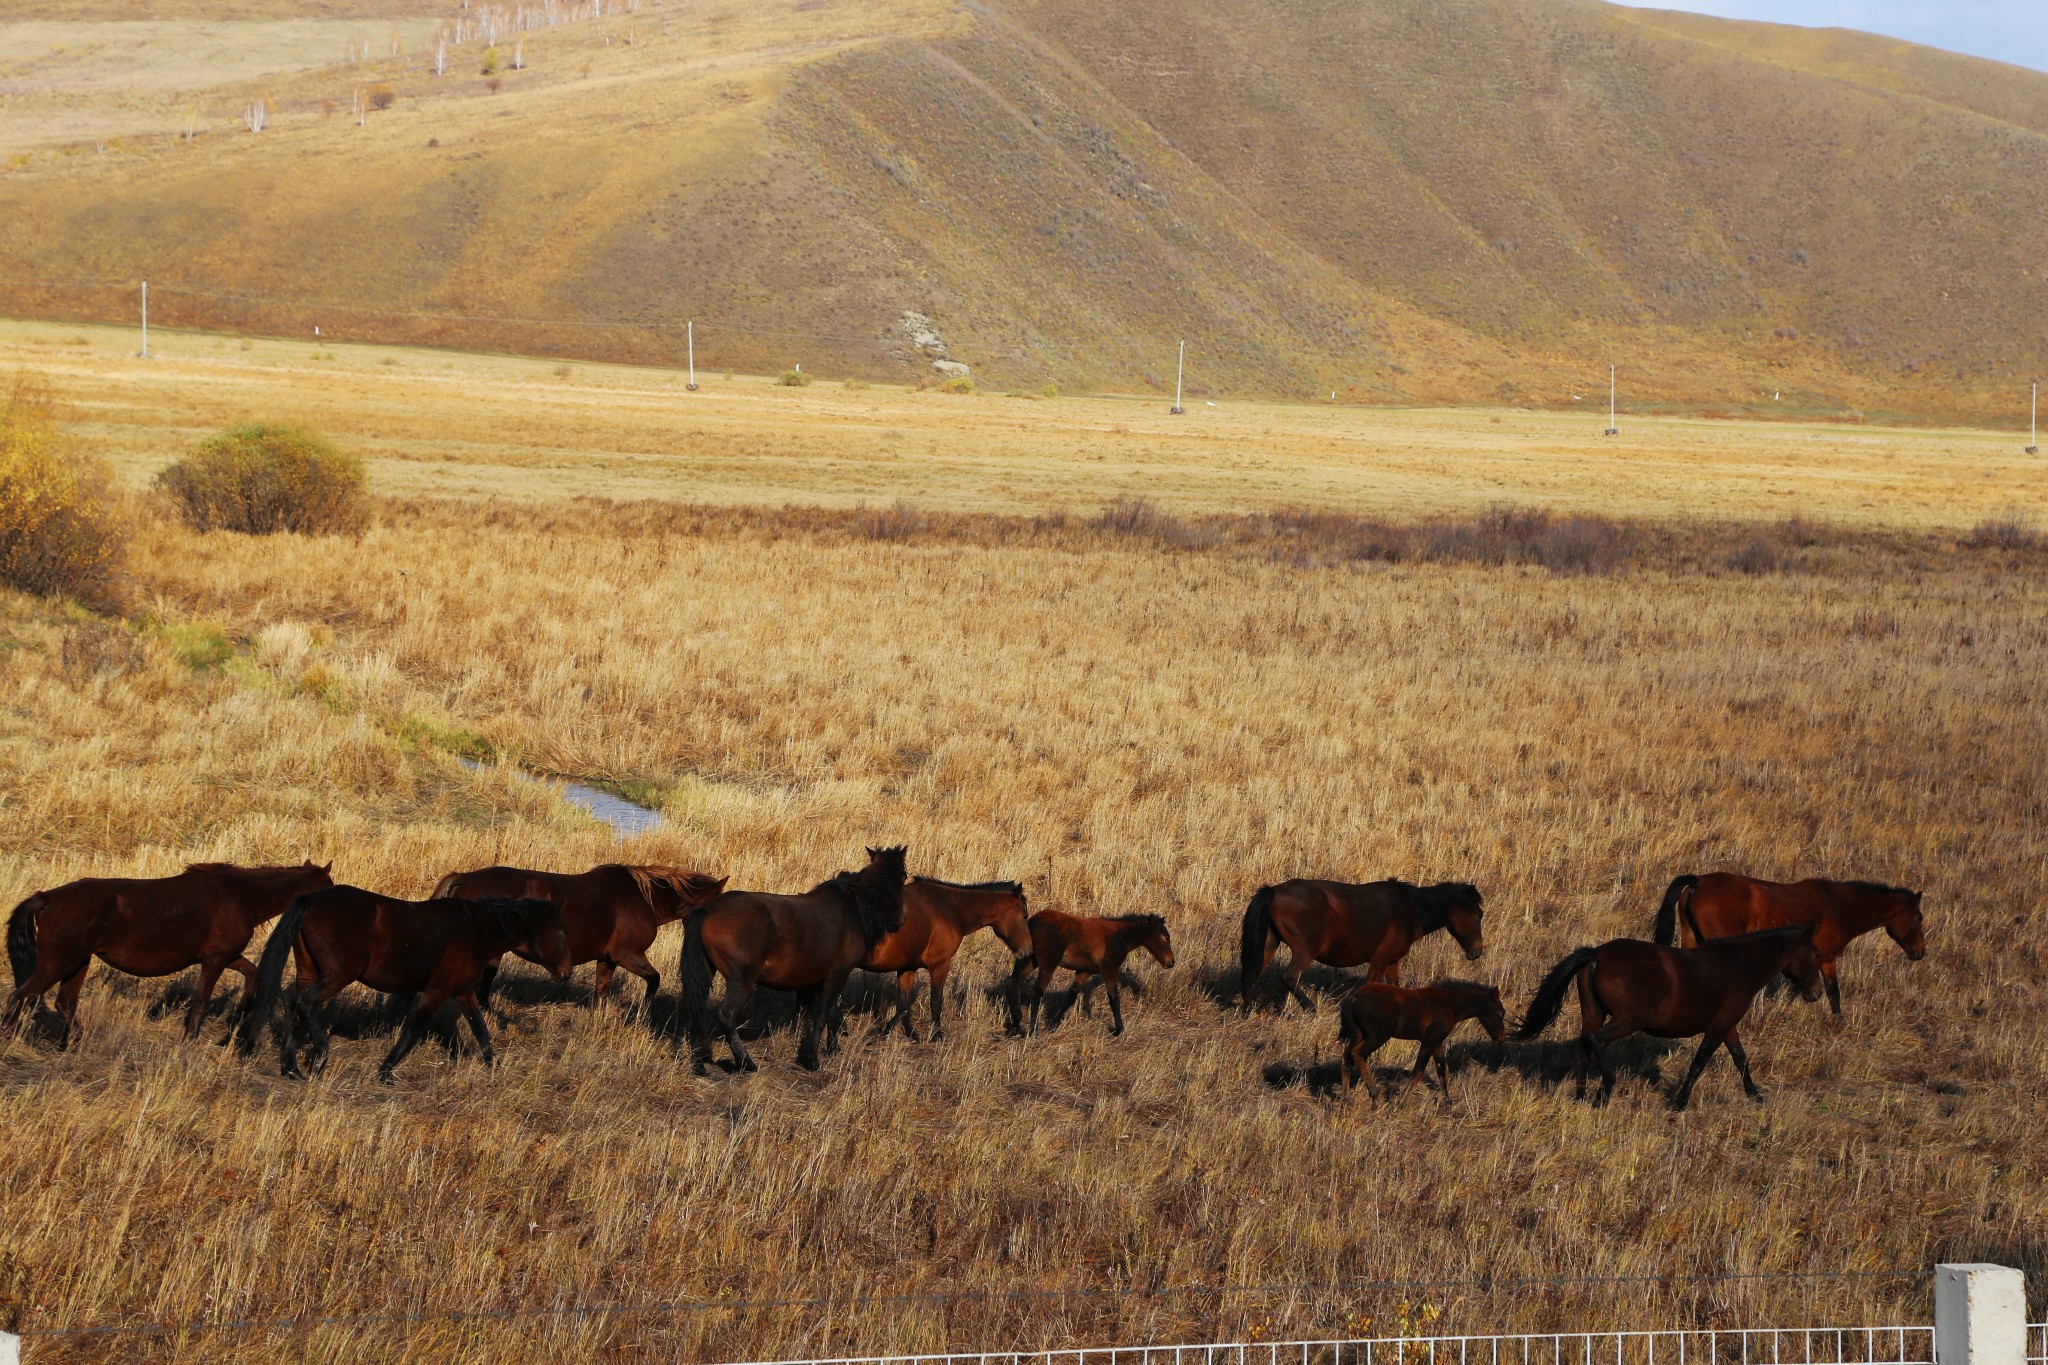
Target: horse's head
(886, 865)
(1802, 968)
(1493, 1016)
(1158, 941)
(1466, 917)
(315, 876)
(548, 941)
(1906, 927)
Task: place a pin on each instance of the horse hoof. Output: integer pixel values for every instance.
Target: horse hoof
(385, 1077)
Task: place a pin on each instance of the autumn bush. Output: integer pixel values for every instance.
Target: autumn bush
(262, 479)
(60, 531)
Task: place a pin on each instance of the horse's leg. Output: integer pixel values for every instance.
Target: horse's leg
(430, 1001)
(1038, 993)
(67, 1004)
(1713, 1040)
(635, 961)
(1110, 979)
(1827, 976)
(1084, 992)
(812, 1013)
(34, 987)
(906, 993)
(487, 984)
(737, 989)
(1425, 1050)
(474, 1013)
(1297, 963)
(202, 995)
(238, 1017)
(602, 986)
(1741, 1058)
(938, 975)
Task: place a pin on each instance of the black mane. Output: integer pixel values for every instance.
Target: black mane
(875, 892)
(1879, 888)
(1014, 888)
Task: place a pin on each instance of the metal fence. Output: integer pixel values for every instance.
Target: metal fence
(1896, 1345)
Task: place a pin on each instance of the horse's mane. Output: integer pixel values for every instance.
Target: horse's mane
(1435, 903)
(527, 913)
(875, 892)
(1879, 888)
(255, 869)
(680, 880)
(1138, 921)
(1013, 888)
(1459, 986)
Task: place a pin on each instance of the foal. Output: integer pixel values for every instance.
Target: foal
(1088, 947)
(1374, 1013)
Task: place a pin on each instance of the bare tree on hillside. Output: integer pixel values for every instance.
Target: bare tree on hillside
(256, 116)
(441, 56)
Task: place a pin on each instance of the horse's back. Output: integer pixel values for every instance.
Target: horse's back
(1728, 903)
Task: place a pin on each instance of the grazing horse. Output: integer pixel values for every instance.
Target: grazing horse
(1341, 925)
(1721, 904)
(937, 915)
(147, 926)
(809, 944)
(1374, 1013)
(434, 951)
(611, 913)
(1629, 986)
(1089, 947)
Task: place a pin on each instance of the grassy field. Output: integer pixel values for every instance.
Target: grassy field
(695, 599)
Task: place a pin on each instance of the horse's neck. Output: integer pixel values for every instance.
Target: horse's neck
(1858, 912)
(1430, 914)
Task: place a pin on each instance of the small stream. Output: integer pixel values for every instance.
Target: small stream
(625, 818)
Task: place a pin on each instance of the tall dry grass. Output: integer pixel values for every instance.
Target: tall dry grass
(1124, 723)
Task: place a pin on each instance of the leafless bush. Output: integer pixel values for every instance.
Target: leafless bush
(898, 522)
(1759, 555)
(1313, 533)
(1130, 514)
(2012, 529)
(97, 649)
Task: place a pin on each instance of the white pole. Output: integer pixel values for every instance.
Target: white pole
(2034, 423)
(693, 355)
(1613, 429)
(1179, 371)
(145, 319)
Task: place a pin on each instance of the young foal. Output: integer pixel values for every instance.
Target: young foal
(1374, 1013)
(434, 950)
(1089, 947)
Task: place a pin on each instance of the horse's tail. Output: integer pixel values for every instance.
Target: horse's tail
(21, 938)
(695, 997)
(270, 971)
(1665, 930)
(445, 888)
(1258, 927)
(1550, 995)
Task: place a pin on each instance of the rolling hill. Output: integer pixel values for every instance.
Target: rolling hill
(1388, 200)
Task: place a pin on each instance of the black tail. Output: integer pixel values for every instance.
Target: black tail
(695, 996)
(21, 938)
(1665, 930)
(270, 971)
(1550, 994)
(1258, 927)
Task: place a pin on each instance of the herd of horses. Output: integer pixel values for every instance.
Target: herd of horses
(1717, 941)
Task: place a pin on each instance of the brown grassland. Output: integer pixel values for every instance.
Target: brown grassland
(700, 601)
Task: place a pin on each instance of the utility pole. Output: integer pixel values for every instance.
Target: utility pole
(2034, 423)
(1612, 428)
(145, 319)
(1180, 371)
(692, 332)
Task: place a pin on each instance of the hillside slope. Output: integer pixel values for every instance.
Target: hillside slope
(1446, 201)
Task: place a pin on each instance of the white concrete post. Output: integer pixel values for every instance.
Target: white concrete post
(1980, 1315)
(10, 1349)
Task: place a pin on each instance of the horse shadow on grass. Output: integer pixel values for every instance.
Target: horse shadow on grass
(1548, 1064)
(1325, 985)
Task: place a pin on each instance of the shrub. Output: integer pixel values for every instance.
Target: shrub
(1760, 555)
(1130, 514)
(2012, 529)
(793, 378)
(491, 83)
(1051, 390)
(490, 67)
(382, 97)
(900, 521)
(959, 383)
(261, 479)
(60, 534)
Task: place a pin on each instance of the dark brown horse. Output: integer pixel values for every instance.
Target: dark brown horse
(611, 913)
(1341, 925)
(1629, 986)
(434, 951)
(147, 926)
(937, 915)
(809, 944)
(1374, 1013)
(1090, 947)
(1722, 904)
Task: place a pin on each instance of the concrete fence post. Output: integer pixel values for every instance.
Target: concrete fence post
(1980, 1315)
(10, 1349)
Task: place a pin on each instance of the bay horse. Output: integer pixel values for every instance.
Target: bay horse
(433, 951)
(1341, 925)
(1089, 947)
(809, 944)
(1376, 1012)
(147, 926)
(1628, 986)
(611, 913)
(937, 915)
(1720, 904)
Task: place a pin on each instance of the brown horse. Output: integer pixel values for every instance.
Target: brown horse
(1089, 947)
(1721, 904)
(1629, 986)
(937, 915)
(434, 951)
(147, 926)
(611, 913)
(1374, 1013)
(1341, 925)
(809, 944)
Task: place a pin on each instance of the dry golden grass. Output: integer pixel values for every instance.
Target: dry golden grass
(1122, 723)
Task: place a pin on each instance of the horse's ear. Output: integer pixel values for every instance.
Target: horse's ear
(328, 868)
